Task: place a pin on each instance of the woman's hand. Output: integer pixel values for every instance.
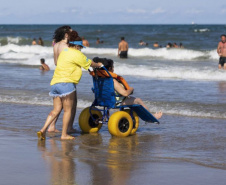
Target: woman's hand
(100, 64)
(93, 64)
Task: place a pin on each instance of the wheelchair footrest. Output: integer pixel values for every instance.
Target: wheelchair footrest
(144, 114)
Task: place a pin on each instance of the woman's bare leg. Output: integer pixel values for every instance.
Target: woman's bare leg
(70, 126)
(57, 107)
(68, 103)
(52, 126)
(132, 100)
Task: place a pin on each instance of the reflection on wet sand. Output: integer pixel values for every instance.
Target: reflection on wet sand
(99, 161)
(120, 159)
(113, 160)
(60, 161)
(222, 87)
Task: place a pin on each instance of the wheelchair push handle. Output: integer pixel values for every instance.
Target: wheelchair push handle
(102, 67)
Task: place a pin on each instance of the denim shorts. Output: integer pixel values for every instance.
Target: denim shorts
(62, 89)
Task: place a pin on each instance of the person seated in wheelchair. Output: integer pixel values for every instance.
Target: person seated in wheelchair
(121, 87)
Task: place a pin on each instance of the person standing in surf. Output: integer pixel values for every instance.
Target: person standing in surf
(60, 38)
(66, 76)
(221, 50)
(123, 48)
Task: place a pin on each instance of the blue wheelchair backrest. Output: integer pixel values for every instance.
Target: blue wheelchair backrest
(103, 89)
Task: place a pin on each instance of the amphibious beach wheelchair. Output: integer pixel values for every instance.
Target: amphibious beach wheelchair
(121, 123)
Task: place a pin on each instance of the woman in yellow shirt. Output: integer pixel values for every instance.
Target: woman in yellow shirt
(63, 84)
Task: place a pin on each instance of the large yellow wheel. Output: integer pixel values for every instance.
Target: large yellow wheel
(136, 119)
(86, 122)
(120, 124)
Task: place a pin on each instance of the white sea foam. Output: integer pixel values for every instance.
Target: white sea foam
(161, 53)
(202, 30)
(185, 73)
(29, 100)
(26, 55)
(26, 49)
(187, 111)
(170, 54)
(31, 55)
(15, 56)
(166, 109)
(13, 40)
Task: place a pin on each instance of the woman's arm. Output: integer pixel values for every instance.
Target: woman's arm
(55, 54)
(93, 64)
(121, 90)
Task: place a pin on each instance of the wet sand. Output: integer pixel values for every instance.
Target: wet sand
(157, 154)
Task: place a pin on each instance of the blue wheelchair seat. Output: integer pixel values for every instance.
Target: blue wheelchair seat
(105, 96)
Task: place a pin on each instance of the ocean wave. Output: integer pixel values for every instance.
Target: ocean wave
(14, 40)
(173, 54)
(29, 100)
(26, 55)
(202, 30)
(161, 53)
(188, 109)
(171, 72)
(31, 55)
(15, 56)
(26, 49)
(181, 109)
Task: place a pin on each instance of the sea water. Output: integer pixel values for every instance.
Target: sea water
(184, 84)
(177, 81)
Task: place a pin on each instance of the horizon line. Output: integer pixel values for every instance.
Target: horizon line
(111, 24)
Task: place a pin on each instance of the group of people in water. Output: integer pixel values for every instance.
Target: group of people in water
(69, 61)
(40, 42)
(156, 45)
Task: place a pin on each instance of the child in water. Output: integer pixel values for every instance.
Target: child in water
(43, 67)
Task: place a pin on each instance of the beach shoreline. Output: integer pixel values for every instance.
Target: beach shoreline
(98, 158)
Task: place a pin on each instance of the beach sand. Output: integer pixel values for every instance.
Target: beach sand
(155, 155)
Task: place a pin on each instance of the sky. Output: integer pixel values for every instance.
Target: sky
(112, 12)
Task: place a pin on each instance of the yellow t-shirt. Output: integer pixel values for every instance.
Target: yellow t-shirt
(69, 64)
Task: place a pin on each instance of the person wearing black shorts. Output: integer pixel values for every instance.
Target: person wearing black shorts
(222, 61)
(123, 48)
(221, 50)
(123, 54)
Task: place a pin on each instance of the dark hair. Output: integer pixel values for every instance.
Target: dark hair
(73, 36)
(108, 63)
(170, 45)
(42, 60)
(60, 33)
(122, 38)
(223, 35)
